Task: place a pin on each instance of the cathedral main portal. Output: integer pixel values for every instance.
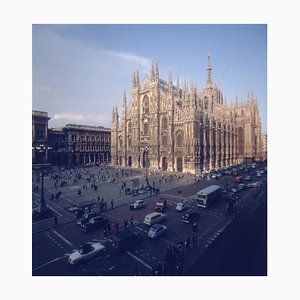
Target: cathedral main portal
(179, 164)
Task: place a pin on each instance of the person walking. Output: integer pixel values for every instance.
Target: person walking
(131, 220)
(55, 221)
(194, 240)
(195, 228)
(112, 203)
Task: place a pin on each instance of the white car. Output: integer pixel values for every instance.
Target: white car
(181, 206)
(85, 252)
(241, 186)
(252, 184)
(137, 204)
(234, 190)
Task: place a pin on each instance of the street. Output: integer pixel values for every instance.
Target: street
(53, 244)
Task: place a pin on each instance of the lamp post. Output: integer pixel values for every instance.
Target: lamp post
(43, 206)
(146, 164)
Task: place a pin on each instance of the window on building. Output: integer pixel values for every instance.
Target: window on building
(146, 127)
(146, 105)
(179, 140)
(164, 140)
(164, 123)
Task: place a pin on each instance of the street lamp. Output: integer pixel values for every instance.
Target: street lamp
(42, 149)
(146, 159)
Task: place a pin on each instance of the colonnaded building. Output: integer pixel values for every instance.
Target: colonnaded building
(188, 129)
(72, 144)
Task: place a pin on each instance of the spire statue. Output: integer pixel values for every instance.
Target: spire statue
(209, 68)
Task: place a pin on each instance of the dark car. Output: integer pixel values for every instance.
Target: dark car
(190, 216)
(86, 218)
(94, 223)
(126, 239)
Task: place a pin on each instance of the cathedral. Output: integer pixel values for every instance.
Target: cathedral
(185, 129)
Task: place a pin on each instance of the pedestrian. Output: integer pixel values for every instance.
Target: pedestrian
(113, 227)
(112, 203)
(194, 240)
(125, 222)
(195, 227)
(131, 220)
(55, 221)
(187, 242)
(179, 269)
(117, 226)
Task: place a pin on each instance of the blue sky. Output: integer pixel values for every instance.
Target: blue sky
(81, 71)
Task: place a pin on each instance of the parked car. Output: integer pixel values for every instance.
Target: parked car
(85, 252)
(94, 223)
(126, 239)
(128, 191)
(137, 204)
(157, 230)
(190, 216)
(181, 206)
(218, 176)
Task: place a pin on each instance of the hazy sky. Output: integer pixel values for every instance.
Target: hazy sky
(81, 71)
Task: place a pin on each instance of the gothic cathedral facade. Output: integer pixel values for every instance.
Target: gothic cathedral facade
(188, 129)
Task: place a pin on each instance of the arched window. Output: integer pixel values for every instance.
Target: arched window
(146, 127)
(146, 105)
(179, 140)
(129, 141)
(164, 140)
(164, 123)
(205, 102)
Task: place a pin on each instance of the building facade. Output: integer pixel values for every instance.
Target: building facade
(39, 136)
(264, 146)
(79, 145)
(188, 129)
(70, 145)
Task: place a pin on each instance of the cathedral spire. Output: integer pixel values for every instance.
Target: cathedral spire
(133, 81)
(113, 115)
(177, 87)
(137, 78)
(124, 110)
(152, 71)
(116, 114)
(157, 71)
(170, 80)
(209, 68)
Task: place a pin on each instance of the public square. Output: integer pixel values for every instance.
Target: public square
(53, 243)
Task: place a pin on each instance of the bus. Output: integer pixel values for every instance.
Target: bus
(209, 195)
